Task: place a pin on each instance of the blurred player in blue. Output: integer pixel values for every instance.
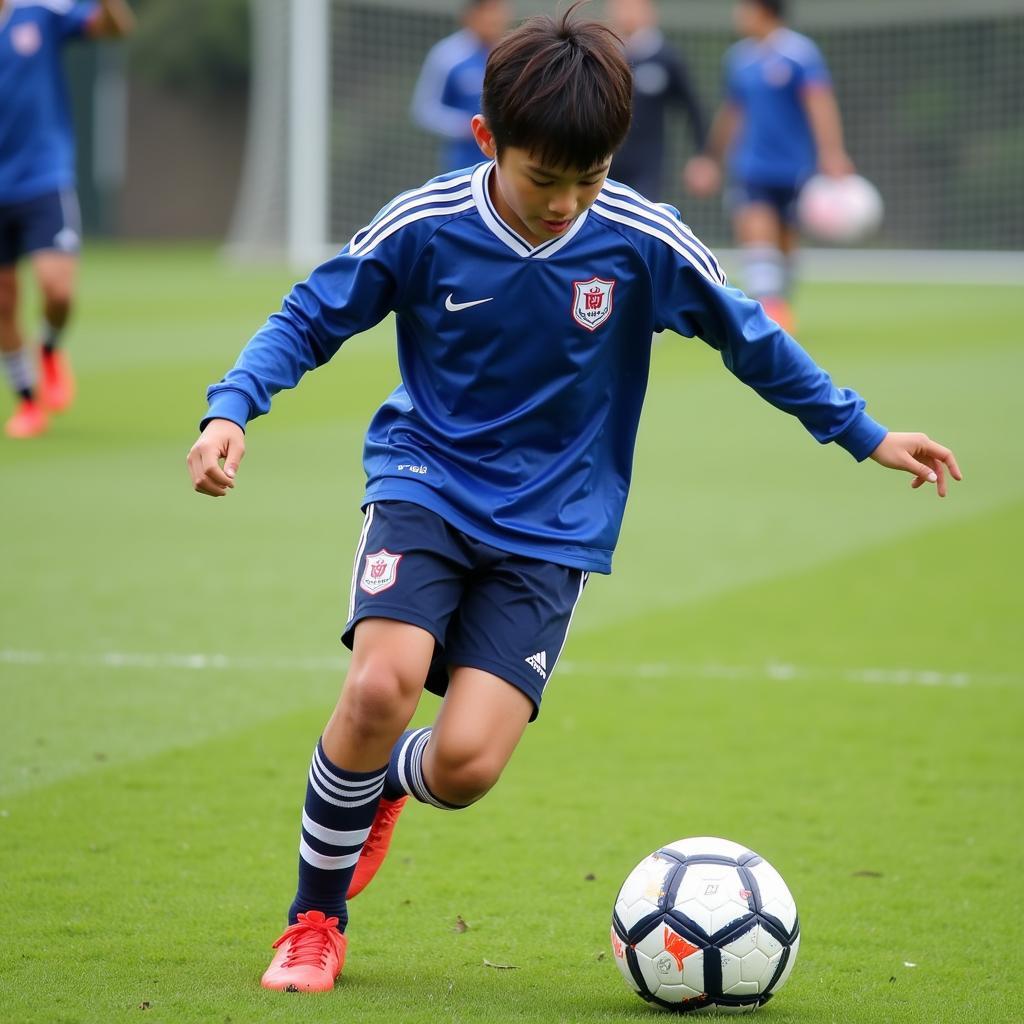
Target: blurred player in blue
(448, 91)
(525, 290)
(661, 83)
(38, 205)
(779, 124)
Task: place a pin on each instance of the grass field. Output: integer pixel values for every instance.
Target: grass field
(795, 652)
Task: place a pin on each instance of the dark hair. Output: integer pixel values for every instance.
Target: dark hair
(773, 7)
(560, 89)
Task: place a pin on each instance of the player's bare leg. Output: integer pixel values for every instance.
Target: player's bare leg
(29, 418)
(453, 764)
(389, 664)
(478, 727)
(759, 232)
(56, 273)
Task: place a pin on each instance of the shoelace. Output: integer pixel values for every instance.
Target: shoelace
(312, 936)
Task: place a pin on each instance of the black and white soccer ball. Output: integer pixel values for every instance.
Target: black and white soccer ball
(705, 925)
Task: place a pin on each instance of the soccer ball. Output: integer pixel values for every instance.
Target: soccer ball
(839, 210)
(705, 925)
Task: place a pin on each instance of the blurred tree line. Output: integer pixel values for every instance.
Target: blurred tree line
(193, 47)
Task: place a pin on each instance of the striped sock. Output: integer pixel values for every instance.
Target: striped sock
(336, 820)
(19, 372)
(405, 771)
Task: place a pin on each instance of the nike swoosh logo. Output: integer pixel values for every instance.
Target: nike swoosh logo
(454, 307)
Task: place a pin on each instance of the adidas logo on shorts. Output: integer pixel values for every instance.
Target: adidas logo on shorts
(539, 663)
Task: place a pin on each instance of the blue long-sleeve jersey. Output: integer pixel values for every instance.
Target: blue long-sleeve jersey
(37, 144)
(524, 367)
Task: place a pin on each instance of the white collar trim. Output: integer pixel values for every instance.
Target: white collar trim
(519, 245)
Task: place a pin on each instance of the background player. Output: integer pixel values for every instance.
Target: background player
(38, 206)
(526, 291)
(778, 125)
(661, 82)
(448, 91)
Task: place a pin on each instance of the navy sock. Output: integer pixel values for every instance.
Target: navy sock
(336, 820)
(405, 771)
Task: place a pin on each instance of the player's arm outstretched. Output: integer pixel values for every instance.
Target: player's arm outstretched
(695, 300)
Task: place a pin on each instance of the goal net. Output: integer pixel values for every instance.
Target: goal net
(930, 95)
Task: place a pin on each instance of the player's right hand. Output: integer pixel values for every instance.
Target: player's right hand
(213, 460)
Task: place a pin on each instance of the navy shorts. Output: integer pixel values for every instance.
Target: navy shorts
(50, 221)
(485, 608)
(781, 198)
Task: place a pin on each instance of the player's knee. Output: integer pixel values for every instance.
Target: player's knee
(376, 697)
(462, 777)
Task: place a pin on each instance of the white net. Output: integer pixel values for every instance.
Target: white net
(930, 94)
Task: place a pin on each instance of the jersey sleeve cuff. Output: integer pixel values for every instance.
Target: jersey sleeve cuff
(228, 405)
(862, 436)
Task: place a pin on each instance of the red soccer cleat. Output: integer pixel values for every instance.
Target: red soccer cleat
(56, 381)
(375, 849)
(310, 955)
(29, 420)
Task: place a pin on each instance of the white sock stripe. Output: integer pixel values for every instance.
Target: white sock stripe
(336, 781)
(344, 794)
(416, 768)
(332, 836)
(403, 779)
(360, 548)
(327, 798)
(318, 860)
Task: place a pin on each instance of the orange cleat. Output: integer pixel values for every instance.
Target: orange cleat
(29, 420)
(56, 381)
(781, 312)
(310, 955)
(375, 849)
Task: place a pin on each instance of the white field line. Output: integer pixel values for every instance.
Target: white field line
(773, 672)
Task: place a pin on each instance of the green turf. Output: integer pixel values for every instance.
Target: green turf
(795, 652)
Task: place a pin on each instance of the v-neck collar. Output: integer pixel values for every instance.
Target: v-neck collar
(512, 238)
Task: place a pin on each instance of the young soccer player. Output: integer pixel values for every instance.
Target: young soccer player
(38, 206)
(778, 125)
(526, 290)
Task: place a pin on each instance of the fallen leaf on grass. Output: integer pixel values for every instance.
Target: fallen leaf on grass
(600, 956)
(145, 1004)
(590, 877)
(501, 967)
(460, 925)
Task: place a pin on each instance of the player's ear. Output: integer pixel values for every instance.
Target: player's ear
(484, 137)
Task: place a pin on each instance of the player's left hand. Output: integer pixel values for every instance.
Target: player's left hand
(920, 455)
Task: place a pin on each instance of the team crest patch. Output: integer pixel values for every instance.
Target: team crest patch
(380, 572)
(26, 39)
(592, 302)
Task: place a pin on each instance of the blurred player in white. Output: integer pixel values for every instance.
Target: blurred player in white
(661, 82)
(38, 206)
(448, 91)
(779, 125)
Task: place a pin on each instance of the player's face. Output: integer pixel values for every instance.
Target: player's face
(542, 202)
